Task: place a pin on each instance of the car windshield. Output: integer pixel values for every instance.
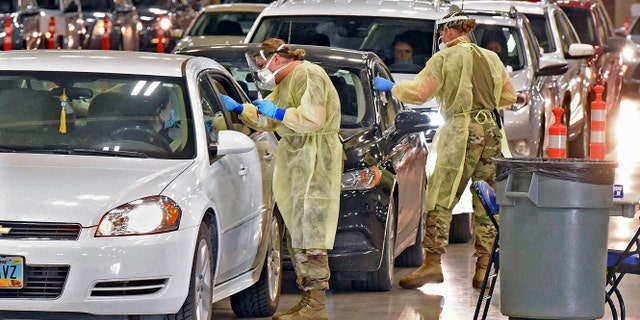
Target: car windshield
(95, 114)
(542, 30)
(223, 23)
(583, 23)
(145, 4)
(375, 34)
(98, 5)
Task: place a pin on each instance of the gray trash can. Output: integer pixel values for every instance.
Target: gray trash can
(554, 216)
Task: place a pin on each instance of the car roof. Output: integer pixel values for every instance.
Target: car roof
(320, 54)
(235, 7)
(108, 61)
(416, 9)
(534, 7)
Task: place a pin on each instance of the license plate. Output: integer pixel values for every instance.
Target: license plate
(11, 272)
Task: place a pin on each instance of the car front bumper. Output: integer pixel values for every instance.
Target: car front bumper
(114, 275)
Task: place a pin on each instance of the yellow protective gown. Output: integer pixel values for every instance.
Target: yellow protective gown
(308, 172)
(449, 76)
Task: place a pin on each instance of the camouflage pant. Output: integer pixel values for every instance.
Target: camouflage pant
(311, 266)
(482, 145)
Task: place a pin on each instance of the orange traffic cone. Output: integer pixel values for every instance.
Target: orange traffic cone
(106, 35)
(51, 34)
(557, 136)
(597, 147)
(8, 33)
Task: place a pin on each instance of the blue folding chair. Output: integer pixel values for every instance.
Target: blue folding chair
(488, 199)
(619, 263)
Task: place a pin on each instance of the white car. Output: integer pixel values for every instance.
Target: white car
(124, 194)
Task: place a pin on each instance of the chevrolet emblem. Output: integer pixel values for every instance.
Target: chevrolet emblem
(4, 231)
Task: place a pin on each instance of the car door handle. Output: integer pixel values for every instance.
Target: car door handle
(268, 156)
(243, 171)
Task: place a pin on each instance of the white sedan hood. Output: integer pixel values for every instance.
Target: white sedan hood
(77, 189)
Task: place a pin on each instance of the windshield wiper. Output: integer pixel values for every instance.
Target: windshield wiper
(7, 150)
(76, 151)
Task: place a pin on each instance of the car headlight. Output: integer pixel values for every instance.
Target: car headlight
(522, 100)
(361, 179)
(155, 214)
(165, 23)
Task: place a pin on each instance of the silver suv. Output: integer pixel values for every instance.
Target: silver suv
(558, 39)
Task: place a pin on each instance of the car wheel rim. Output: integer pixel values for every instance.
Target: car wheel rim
(203, 280)
(274, 260)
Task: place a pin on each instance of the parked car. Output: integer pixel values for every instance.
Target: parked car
(24, 21)
(219, 24)
(384, 172)
(65, 17)
(592, 22)
(132, 193)
(117, 19)
(170, 16)
(558, 39)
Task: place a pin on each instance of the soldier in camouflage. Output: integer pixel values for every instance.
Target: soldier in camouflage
(469, 83)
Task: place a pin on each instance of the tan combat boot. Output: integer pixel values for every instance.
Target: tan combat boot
(482, 263)
(303, 302)
(429, 272)
(313, 309)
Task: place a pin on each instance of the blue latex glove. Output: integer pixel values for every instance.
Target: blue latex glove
(231, 104)
(382, 84)
(269, 109)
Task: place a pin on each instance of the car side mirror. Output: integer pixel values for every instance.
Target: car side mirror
(411, 122)
(621, 32)
(580, 51)
(551, 67)
(230, 142)
(615, 44)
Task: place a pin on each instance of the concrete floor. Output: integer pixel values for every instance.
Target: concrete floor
(452, 300)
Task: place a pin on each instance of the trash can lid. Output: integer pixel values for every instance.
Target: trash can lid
(573, 169)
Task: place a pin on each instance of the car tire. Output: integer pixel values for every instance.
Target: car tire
(382, 279)
(461, 229)
(413, 256)
(261, 299)
(198, 304)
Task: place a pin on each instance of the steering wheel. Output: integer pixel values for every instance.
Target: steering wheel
(143, 134)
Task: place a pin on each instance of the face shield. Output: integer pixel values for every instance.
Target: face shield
(264, 78)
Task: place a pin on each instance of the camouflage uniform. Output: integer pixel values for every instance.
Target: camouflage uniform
(483, 144)
(311, 267)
